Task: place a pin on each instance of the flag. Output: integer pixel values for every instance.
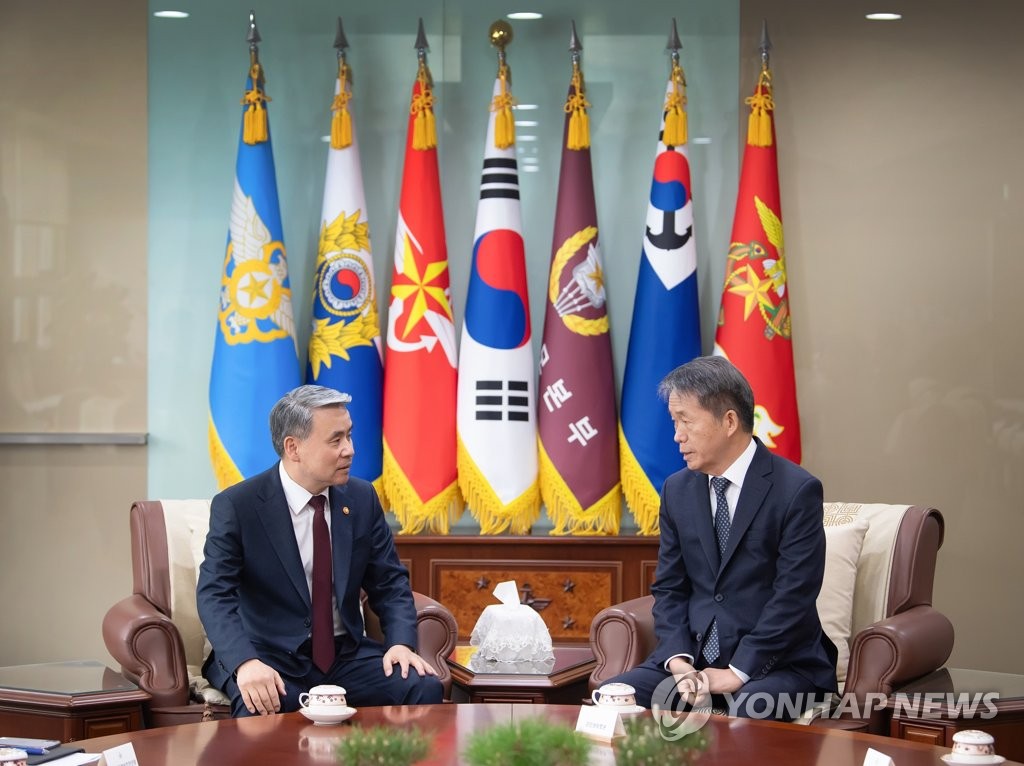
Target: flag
(665, 332)
(255, 360)
(345, 345)
(497, 424)
(420, 480)
(579, 459)
(754, 323)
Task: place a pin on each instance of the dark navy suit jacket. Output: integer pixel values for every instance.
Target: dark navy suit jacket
(252, 593)
(762, 591)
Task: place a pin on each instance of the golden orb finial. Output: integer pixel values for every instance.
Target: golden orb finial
(500, 34)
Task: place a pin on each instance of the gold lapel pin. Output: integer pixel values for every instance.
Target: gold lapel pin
(344, 510)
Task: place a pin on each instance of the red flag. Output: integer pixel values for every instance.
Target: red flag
(420, 368)
(754, 324)
(577, 422)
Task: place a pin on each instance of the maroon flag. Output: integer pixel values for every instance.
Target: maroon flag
(579, 458)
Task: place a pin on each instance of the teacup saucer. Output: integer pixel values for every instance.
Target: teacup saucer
(327, 715)
(974, 761)
(623, 709)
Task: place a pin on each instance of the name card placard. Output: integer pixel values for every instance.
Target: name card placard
(122, 755)
(600, 721)
(875, 758)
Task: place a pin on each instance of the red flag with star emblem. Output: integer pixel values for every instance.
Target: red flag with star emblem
(419, 474)
(754, 323)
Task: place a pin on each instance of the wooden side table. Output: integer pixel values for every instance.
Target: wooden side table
(68, 701)
(932, 709)
(565, 683)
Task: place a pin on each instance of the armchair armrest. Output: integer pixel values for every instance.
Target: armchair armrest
(621, 637)
(148, 646)
(894, 651)
(437, 633)
(899, 649)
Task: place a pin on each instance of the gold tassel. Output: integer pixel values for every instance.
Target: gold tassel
(576, 106)
(424, 131)
(567, 515)
(495, 516)
(642, 497)
(254, 126)
(675, 133)
(504, 125)
(341, 122)
(759, 124)
(414, 515)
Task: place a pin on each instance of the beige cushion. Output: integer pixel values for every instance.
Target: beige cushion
(187, 522)
(844, 537)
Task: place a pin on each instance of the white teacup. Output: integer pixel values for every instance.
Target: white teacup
(323, 696)
(972, 745)
(615, 695)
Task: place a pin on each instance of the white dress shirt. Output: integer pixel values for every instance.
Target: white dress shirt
(302, 522)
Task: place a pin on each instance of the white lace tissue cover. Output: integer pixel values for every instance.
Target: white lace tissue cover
(510, 631)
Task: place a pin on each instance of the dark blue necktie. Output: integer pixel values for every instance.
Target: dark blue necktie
(722, 525)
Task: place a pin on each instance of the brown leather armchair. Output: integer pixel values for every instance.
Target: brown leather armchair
(896, 635)
(155, 633)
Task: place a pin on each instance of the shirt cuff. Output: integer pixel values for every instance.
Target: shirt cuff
(742, 676)
(687, 657)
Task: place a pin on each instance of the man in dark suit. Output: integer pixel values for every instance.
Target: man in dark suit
(286, 556)
(740, 563)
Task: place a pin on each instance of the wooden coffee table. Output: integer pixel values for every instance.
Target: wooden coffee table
(68, 701)
(934, 708)
(289, 739)
(564, 683)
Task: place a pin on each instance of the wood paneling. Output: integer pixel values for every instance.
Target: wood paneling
(568, 580)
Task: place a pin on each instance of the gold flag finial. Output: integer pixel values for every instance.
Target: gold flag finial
(676, 128)
(341, 122)
(424, 131)
(576, 104)
(500, 34)
(254, 124)
(759, 125)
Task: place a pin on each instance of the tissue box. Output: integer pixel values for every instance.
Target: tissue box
(511, 632)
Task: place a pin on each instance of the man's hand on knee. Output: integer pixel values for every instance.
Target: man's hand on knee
(404, 657)
(722, 681)
(261, 687)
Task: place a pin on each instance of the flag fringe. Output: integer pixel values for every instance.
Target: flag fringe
(415, 515)
(676, 127)
(254, 126)
(378, 486)
(493, 515)
(224, 468)
(424, 130)
(565, 511)
(759, 124)
(341, 122)
(642, 496)
(578, 136)
(504, 125)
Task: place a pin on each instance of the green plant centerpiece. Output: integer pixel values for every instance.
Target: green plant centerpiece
(382, 745)
(646, 744)
(533, 742)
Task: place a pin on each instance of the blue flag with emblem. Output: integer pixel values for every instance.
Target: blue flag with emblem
(345, 345)
(255, 359)
(665, 332)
